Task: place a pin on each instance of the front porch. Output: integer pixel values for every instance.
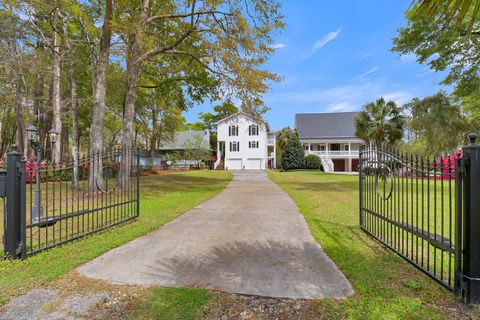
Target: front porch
(333, 150)
(338, 155)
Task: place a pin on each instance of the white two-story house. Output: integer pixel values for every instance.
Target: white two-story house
(332, 137)
(244, 142)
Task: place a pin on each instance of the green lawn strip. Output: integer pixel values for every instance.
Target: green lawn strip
(171, 304)
(386, 287)
(163, 198)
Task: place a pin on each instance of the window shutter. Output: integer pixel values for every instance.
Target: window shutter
(229, 131)
(249, 144)
(236, 131)
(230, 146)
(238, 145)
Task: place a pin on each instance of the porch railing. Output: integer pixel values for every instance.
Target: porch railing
(340, 153)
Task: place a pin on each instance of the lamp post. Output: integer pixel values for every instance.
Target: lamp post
(32, 135)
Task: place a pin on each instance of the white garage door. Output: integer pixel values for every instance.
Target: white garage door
(254, 164)
(234, 164)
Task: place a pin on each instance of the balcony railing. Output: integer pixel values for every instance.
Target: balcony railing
(271, 155)
(340, 153)
(270, 141)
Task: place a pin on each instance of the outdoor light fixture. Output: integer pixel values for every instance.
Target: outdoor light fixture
(52, 135)
(32, 136)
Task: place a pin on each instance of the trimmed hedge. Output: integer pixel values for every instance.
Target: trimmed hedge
(312, 161)
(293, 156)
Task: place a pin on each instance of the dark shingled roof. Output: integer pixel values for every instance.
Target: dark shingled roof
(326, 125)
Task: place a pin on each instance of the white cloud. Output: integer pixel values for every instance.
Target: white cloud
(322, 43)
(369, 72)
(366, 55)
(341, 107)
(399, 97)
(349, 97)
(279, 45)
(408, 58)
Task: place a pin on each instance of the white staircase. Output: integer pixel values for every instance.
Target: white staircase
(327, 164)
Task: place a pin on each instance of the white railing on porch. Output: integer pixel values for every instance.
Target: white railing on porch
(341, 153)
(270, 141)
(215, 165)
(327, 164)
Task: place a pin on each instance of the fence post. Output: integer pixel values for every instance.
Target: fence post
(15, 205)
(360, 182)
(138, 181)
(471, 239)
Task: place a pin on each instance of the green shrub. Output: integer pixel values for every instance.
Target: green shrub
(312, 161)
(293, 155)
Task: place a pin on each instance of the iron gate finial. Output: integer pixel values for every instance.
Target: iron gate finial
(472, 137)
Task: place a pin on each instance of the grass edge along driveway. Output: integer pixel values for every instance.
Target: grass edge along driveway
(163, 198)
(386, 286)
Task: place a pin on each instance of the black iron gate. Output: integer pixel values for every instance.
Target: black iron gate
(48, 204)
(423, 210)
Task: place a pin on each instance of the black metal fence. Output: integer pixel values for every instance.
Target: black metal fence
(48, 204)
(419, 208)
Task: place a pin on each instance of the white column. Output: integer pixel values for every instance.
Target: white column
(349, 149)
(309, 148)
(274, 155)
(326, 148)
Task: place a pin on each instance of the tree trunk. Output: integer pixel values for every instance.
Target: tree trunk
(74, 114)
(99, 97)
(133, 70)
(57, 111)
(65, 149)
(38, 107)
(21, 132)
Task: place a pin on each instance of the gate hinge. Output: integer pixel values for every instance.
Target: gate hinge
(19, 249)
(463, 164)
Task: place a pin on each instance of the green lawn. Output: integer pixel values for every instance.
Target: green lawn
(172, 304)
(163, 198)
(386, 286)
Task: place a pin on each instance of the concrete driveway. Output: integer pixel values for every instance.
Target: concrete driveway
(249, 239)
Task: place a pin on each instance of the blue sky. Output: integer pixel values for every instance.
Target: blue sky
(335, 56)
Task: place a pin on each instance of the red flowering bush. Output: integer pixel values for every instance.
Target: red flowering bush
(445, 166)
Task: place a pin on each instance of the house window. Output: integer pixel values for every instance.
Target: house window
(322, 147)
(233, 131)
(253, 130)
(253, 144)
(345, 147)
(235, 146)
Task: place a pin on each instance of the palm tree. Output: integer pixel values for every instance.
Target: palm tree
(380, 122)
(284, 135)
(452, 11)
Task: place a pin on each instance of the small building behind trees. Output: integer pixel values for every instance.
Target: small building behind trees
(184, 148)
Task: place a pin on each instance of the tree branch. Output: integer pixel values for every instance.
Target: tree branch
(185, 15)
(156, 51)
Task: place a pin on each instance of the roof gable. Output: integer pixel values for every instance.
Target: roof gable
(241, 113)
(326, 125)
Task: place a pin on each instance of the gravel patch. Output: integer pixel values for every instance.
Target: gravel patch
(29, 306)
(45, 304)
